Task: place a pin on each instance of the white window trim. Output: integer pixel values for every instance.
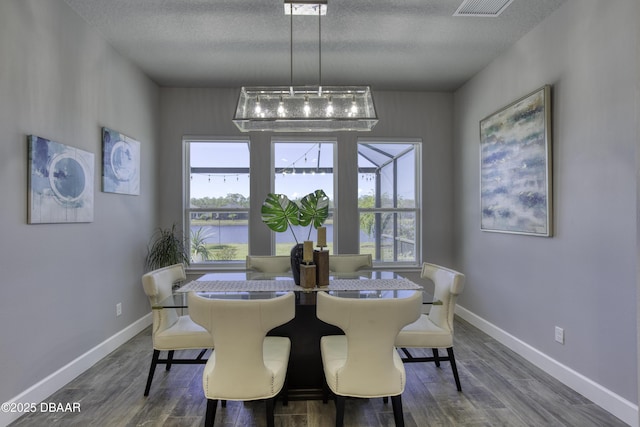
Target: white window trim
(186, 202)
(308, 140)
(417, 143)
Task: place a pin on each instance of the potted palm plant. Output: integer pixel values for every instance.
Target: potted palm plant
(199, 249)
(165, 248)
(280, 214)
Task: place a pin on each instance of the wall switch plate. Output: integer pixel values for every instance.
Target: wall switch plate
(559, 335)
(118, 309)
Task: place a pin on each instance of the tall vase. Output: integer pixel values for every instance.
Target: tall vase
(296, 259)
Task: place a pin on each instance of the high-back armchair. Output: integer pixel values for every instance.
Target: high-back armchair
(349, 263)
(363, 362)
(246, 364)
(269, 263)
(435, 330)
(171, 331)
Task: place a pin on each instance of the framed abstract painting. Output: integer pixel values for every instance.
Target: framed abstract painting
(60, 183)
(120, 163)
(515, 167)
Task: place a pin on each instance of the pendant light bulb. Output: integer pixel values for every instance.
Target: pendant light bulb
(354, 106)
(258, 108)
(306, 108)
(330, 107)
(281, 110)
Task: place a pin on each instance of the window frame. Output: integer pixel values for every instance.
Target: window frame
(267, 178)
(333, 208)
(416, 210)
(187, 210)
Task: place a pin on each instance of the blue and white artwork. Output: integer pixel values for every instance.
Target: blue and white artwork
(515, 182)
(120, 163)
(60, 183)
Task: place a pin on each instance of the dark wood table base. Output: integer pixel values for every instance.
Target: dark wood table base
(305, 376)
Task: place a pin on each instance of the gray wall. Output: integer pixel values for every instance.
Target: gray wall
(583, 279)
(61, 282)
(402, 115)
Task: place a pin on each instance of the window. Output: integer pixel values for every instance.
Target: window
(388, 201)
(217, 197)
(300, 168)
(217, 200)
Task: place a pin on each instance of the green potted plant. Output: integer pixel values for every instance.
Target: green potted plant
(166, 247)
(280, 214)
(199, 249)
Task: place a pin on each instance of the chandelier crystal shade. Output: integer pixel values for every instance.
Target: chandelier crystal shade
(305, 108)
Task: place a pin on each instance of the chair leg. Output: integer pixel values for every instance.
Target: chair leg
(152, 369)
(325, 392)
(406, 353)
(211, 412)
(396, 401)
(270, 422)
(454, 368)
(436, 356)
(340, 410)
(169, 359)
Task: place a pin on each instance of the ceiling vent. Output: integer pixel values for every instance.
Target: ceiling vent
(490, 8)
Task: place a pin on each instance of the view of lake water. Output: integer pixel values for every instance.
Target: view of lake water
(239, 234)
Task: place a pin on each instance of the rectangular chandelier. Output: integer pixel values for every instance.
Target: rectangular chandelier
(305, 109)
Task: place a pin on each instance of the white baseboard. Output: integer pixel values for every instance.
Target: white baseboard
(623, 409)
(54, 382)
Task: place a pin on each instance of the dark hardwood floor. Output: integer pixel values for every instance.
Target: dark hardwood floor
(499, 388)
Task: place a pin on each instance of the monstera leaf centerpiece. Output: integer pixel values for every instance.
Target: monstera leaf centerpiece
(280, 214)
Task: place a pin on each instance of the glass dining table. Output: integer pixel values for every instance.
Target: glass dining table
(305, 374)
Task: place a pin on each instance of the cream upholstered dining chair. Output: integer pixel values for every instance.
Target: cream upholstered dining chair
(435, 330)
(364, 362)
(269, 263)
(246, 364)
(171, 331)
(349, 263)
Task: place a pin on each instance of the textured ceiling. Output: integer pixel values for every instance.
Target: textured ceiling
(395, 44)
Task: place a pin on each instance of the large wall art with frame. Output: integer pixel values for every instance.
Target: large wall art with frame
(515, 167)
(120, 163)
(60, 183)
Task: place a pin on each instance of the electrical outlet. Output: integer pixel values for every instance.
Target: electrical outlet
(559, 335)
(118, 309)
